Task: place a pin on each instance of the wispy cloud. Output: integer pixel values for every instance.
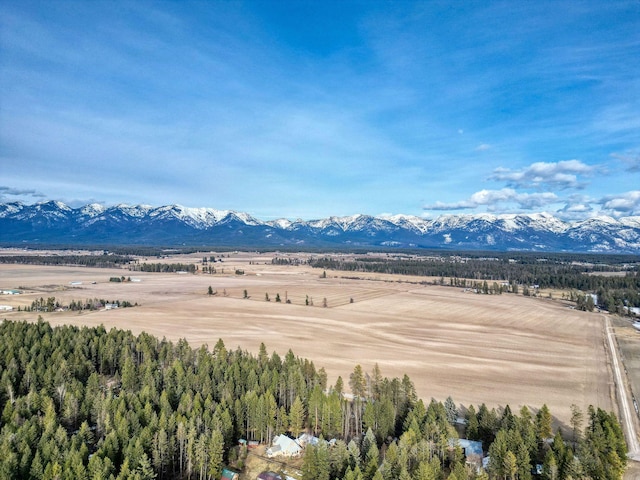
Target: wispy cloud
(483, 147)
(496, 199)
(561, 175)
(9, 193)
(630, 159)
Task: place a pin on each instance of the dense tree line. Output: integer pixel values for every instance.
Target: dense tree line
(86, 403)
(50, 304)
(614, 292)
(163, 267)
(100, 261)
(286, 261)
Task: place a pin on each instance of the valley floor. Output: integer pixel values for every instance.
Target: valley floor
(496, 349)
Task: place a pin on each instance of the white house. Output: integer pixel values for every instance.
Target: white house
(283, 445)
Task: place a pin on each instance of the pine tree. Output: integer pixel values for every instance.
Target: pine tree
(543, 424)
(309, 463)
(144, 469)
(215, 454)
(296, 417)
(452, 411)
(576, 423)
(357, 382)
(472, 424)
(550, 466)
(510, 465)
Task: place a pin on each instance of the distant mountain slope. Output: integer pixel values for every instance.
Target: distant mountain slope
(55, 222)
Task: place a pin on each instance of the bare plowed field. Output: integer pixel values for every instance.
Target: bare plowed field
(501, 349)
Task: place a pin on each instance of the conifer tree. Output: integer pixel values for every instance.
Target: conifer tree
(296, 417)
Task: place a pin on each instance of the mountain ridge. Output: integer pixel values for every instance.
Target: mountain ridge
(56, 222)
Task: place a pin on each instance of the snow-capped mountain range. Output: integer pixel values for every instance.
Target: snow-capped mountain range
(94, 224)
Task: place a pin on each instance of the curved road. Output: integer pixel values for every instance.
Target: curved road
(626, 407)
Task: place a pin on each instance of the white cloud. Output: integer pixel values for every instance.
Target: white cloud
(483, 147)
(492, 198)
(562, 174)
(577, 207)
(621, 205)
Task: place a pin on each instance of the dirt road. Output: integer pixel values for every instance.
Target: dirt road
(626, 408)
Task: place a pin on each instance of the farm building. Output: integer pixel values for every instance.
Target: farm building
(6, 308)
(11, 292)
(283, 445)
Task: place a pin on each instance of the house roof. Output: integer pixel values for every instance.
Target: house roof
(228, 474)
(287, 445)
(471, 447)
(269, 476)
(308, 439)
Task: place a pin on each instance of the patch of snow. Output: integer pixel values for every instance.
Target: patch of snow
(92, 210)
(281, 223)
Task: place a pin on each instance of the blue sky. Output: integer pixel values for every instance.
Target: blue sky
(310, 109)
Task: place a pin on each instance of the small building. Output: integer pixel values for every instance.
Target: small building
(461, 421)
(471, 449)
(229, 474)
(285, 446)
(269, 476)
(11, 292)
(110, 306)
(307, 439)
(6, 308)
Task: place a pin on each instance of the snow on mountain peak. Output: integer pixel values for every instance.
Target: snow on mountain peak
(93, 210)
(281, 223)
(53, 204)
(531, 231)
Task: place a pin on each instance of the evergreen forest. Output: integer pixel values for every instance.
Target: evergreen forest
(87, 403)
(519, 271)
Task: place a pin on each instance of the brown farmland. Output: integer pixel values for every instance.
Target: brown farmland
(497, 349)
